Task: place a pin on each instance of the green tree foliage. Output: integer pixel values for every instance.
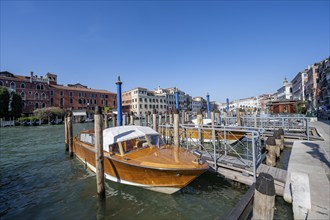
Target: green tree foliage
(16, 106)
(50, 112)
(4, 102)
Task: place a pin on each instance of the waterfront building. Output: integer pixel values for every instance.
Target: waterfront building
(198, 103)
(311, 85)
(41, 92)
(298, 85)
(285, 92)
(324, 84)
(140, 100)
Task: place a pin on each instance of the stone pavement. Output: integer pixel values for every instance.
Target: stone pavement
(307, 185)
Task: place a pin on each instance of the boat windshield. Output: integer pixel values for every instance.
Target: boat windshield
(154, 140)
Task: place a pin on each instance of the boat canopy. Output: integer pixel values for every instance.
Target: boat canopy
(124, 133)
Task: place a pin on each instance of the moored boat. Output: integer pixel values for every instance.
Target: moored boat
(135, 155)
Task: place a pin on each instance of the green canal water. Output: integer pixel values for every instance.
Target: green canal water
(38, 180)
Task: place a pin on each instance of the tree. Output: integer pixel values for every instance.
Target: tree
(4, 102)
(16, 106)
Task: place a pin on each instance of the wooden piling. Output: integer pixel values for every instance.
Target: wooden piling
(264, 197)
(154, 119)
(171, 117)
(70, 133)
(114, 120)
(176, 128)
(106, 124)
(200, 125)
(238, 116)
(159, 122)
(132, 118)
(182, 117)
(217, 117)
(66, 139)
(271, 154)
(99, 152)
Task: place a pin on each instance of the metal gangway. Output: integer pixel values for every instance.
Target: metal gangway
(220, 144)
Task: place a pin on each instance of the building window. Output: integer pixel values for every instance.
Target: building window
(95, 102)
(23, 95)
(23, 86)
(36, 106)
(42, 87)
(51, 101)
(106, 102)
(43, 105)
(80, 94)
(62, 93)
(43, 96)
(140, 99)
(51, 92)
(145, 106)
(80, 101)
(12, 85)
(61, 102)
(71, 101)
(71, 94)
(38, 87)
(36, 96)
(1, 83)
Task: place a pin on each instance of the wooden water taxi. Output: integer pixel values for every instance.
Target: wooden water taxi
(136, 155)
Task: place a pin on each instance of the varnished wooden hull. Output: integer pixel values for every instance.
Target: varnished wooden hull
(229, 137)
(117, 169)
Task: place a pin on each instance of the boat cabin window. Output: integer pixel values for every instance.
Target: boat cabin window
(114, 148)
(154, 140)
(87, 138)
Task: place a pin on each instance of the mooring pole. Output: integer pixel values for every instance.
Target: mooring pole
(264, 197)
(177, 100)
(119, 104)
(208, 105)
(271, 154)
(132, 118)
(66, 139)
(154, 119)
(176, 128)
(106, 124)
(70, 133)
(99, 152)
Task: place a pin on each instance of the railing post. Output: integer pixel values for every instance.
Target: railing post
(254, 158)
(307, 129)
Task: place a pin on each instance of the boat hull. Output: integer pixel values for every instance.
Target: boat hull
(165, 180)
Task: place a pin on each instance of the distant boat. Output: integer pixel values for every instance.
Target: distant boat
(135, 155)
(192, 132)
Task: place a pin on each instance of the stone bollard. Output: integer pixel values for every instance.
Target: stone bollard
(281, 131)
(264, 197)
(279, 143)
(99, 157)
(271, 154)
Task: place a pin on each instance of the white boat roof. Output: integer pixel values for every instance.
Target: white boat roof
(124, 133)
(206, 121)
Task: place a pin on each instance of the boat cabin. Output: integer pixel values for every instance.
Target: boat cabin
(125, 139)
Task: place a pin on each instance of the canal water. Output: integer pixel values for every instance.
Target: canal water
(38, 180)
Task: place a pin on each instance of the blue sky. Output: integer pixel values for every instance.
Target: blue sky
(232, 49)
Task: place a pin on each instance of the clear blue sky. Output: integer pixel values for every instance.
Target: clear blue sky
(232, 49)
